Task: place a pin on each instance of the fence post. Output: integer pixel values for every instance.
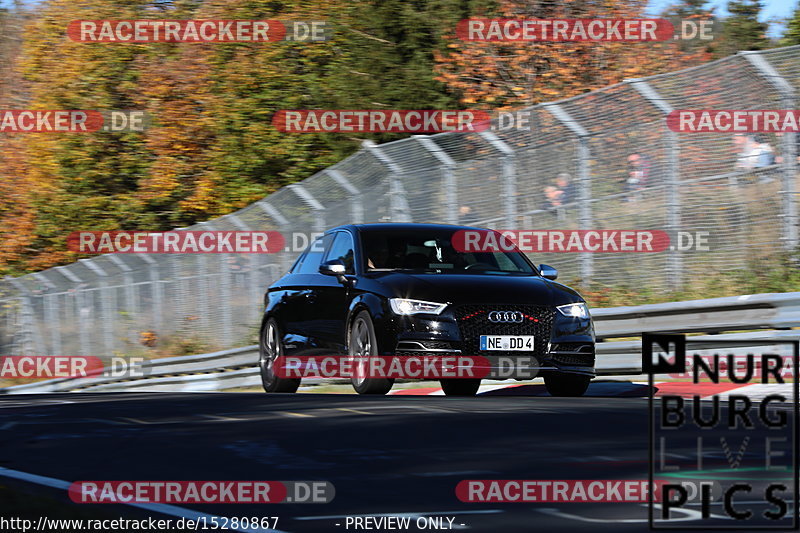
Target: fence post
(31, 340)
(448, 176)
(278, 217)
(203, 283)
(509, 176)
(158, 296)
(789, 165)
(51, 315)
(310, 201)
(672, 148)
(584, 180)
(105, 313)
(254, 290)
(130, 298)
(226, 274)
(83, 330)
(353, 195)
(397, 195)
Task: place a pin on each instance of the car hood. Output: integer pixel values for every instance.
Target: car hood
(477, 288)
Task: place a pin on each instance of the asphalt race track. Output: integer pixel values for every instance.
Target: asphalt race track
(385, 455)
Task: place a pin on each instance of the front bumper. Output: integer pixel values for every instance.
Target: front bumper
(561, 344)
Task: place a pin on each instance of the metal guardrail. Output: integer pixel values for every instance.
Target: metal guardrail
(171, 370)
(237, 367)
(752, 311)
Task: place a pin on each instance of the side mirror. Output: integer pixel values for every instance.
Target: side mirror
(548, 272)
(334, 267)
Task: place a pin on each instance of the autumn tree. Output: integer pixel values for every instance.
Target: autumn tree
(489, 74)
(742, 30)
(210, 147)
(17, 216)
(214, 144)
(694, 12)
(792, 34)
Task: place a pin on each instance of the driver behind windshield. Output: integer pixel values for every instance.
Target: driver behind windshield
(426, 251)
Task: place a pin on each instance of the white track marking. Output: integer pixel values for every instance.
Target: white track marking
(160, 508)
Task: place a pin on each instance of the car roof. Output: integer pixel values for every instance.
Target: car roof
(395, 226)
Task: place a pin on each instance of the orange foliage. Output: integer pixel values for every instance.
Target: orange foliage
(517, 74)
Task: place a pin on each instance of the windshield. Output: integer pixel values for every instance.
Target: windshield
(432, 251)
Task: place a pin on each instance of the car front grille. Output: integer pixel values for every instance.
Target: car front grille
(473, 321)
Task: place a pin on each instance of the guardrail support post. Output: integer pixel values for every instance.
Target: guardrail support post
(672, 149)
(789, 165)
(584, 180)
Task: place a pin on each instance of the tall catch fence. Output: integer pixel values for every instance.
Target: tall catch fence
(688, 182)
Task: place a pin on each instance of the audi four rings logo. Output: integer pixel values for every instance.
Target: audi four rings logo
(505, 316)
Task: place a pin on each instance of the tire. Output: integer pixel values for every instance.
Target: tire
(460, 387)
(270, 347)
(566, 384)
(362, 342)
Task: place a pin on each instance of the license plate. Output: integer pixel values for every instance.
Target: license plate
(507, 343)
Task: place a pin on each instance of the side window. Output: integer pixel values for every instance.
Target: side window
(297, 262)
(313, 256)
(342, 249)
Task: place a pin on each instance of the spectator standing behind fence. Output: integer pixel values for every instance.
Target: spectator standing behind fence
(552, 197)
(747, 151)
(638, 175)
(466, 217)
(764, 152)
(781, 145)
(754, 152)
(567, 188)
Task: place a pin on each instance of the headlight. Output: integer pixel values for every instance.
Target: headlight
(576, 310)
(402, 306)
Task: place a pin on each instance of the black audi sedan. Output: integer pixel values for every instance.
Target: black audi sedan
(404, 289)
